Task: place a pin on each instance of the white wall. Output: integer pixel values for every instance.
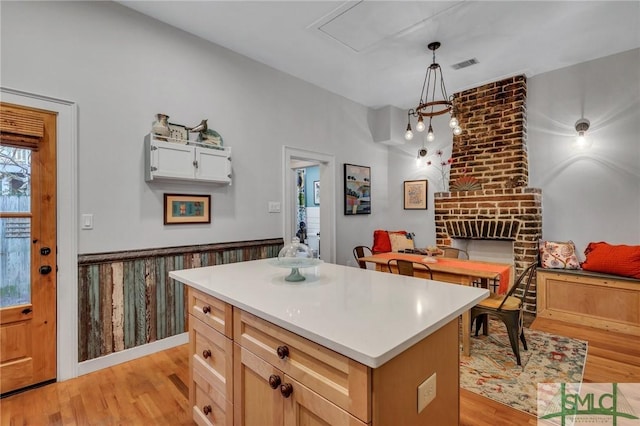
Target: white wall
(122, 68)
(594, 194)
(589, 195)
(405, 165)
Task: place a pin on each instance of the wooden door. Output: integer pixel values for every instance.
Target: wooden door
(255, 402)
(27, 247)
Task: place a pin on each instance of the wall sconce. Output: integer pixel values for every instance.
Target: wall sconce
(582, 126)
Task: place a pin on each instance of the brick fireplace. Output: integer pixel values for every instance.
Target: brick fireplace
(492, 149)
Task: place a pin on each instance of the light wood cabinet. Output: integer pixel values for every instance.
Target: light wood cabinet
(265, 395)
(210, 360)
(335, 377)
(597, 300)
(256, 373)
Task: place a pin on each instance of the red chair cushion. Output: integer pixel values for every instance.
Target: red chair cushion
(381, 241)
(612, 259)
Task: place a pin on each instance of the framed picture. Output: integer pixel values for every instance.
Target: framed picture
(185, 208)
(316, 192)
(178, 133)
(415, 194)
(357, 189)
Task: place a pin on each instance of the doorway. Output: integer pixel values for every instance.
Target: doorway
(27, 247)
(66, 222)
(294, 159)
(307, 222)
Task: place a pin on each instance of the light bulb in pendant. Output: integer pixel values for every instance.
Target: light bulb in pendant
(420, 126)
(457, 130)
(453, 122)
(408, 135)
(430, 136)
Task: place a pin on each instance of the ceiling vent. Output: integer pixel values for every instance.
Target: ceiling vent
(464, 64)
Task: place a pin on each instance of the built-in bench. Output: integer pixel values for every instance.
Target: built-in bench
(609, 302)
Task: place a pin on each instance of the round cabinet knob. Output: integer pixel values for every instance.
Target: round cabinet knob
(206, 309)
(286, 389)
(282, 351)
(274, 381)
(206, 410)
(206, 353)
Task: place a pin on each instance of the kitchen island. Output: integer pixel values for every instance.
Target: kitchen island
(345, 346)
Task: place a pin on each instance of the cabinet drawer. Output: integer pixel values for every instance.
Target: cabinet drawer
(339, 379)
(210, 406)
(211, 311)
(212, 356)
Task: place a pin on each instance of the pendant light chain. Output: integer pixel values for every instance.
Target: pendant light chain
(428, 103)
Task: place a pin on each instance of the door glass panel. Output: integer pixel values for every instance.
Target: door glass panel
(15, 232)
(15, 270)
(15, 177)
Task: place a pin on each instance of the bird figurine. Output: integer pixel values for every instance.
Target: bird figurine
(202, 127)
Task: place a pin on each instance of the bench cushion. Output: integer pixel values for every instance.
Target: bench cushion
(613, 259)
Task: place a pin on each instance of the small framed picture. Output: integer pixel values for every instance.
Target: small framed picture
(316, 192)
(357, 189)
(415, 194)
(178, 133)
(185, 208)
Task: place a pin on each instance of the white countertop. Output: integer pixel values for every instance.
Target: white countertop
(366, 315)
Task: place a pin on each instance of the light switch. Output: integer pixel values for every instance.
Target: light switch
(87, 221)
(274, 207)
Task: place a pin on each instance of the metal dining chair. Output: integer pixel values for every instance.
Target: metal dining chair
(508, 308)
(453, 252)
(407, 267)
(361, 251)
(457, 253)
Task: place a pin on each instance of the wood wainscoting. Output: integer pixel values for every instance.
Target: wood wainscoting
(126, 299)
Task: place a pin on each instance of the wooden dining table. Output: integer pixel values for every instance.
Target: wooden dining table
(454, 271)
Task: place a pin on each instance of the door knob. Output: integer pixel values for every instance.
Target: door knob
(45, 251)
(45, 269)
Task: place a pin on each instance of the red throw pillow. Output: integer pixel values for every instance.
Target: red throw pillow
(609, 259)
(381, 242)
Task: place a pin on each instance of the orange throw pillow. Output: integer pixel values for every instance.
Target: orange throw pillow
(381, 242)
(609, 259)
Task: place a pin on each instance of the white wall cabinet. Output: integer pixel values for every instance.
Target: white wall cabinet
(175, 161)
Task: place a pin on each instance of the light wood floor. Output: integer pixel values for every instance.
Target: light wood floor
(611, 357)
(153, 390)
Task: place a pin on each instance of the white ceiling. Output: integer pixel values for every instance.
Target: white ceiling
(374, 52)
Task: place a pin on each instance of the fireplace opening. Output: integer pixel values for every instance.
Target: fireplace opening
(498, 251)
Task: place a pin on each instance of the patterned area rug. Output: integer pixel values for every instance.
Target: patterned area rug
(491, 370)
